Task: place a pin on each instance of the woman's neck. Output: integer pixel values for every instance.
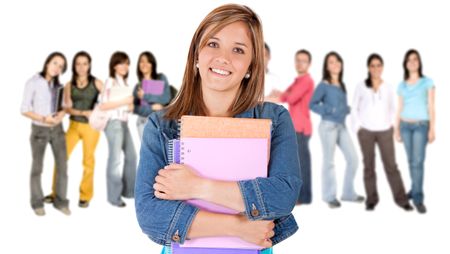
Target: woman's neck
(376, 82)
(335, 80)
(48, 78)
(82, 79)
(413, 76)
(219, 103)
(147, 76)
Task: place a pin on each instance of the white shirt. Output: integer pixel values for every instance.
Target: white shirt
(120, 113)
(273, 82)
(372, 110)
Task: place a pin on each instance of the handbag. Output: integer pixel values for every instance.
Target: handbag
(99, 118)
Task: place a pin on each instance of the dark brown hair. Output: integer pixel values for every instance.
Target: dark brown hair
(118, 57)
(48, 60)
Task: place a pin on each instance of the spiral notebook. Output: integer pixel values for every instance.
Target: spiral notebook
(216, 149)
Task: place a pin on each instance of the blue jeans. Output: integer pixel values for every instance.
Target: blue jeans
(415, 139)
(304, 156)
(120, 184)
(332, 134)
(140, 124)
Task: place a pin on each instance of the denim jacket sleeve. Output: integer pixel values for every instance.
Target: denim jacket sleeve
(275, 196)
(163, 221)
(317, 104)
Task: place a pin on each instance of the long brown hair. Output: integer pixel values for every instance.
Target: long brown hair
(190, 100)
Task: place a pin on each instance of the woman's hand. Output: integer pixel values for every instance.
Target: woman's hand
(87, 113)
(178, 182)
(397, 135)
(431, 135)
(157, 106)
(140, 93)
(257, 232)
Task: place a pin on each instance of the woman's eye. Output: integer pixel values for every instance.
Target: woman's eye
(239, 50)
(213, 44)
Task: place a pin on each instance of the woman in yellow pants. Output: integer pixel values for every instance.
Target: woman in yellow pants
(80, 96)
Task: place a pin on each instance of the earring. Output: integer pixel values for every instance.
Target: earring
(196, 65)
(247, 75)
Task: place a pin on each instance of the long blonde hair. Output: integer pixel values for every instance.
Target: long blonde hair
(190, 100)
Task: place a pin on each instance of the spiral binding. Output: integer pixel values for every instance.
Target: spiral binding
(179, 126)
(170, 151)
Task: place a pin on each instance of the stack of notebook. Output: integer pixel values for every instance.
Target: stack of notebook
(229, 149)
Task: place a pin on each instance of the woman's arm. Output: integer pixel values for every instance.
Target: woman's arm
(165, 221)
(316, 104)
(397, 135)
(208, 224)
(432, 114)
(261, 198)
(105, 104)
(179, 182)
(116, 104)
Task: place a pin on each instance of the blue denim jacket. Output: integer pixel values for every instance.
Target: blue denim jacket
(330, 102)
(271, 198)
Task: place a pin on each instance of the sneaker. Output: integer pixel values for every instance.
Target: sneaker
(64, 210)
(370, 207)
(48, 199)
(334, 204)
(358, 199)
(407, 207)
(39, 211)
(421, 208)
(83, 203)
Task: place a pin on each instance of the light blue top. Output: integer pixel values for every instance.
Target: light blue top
(415, 99)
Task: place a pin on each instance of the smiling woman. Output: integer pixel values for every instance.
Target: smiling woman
(224, 77)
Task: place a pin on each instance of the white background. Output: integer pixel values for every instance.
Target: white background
(30, 30)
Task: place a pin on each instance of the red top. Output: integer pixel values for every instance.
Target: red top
(298, 96)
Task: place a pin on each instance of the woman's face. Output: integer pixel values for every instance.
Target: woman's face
(225, 59)
(333, 65)
(82, 66)
(412, 64)
(375, 68)
(122, 68)
(55, 66)
(145, 66)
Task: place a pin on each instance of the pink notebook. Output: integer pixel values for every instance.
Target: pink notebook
(228, 159)
(154, 87)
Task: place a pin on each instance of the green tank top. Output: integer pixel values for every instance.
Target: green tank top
(83, 99)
